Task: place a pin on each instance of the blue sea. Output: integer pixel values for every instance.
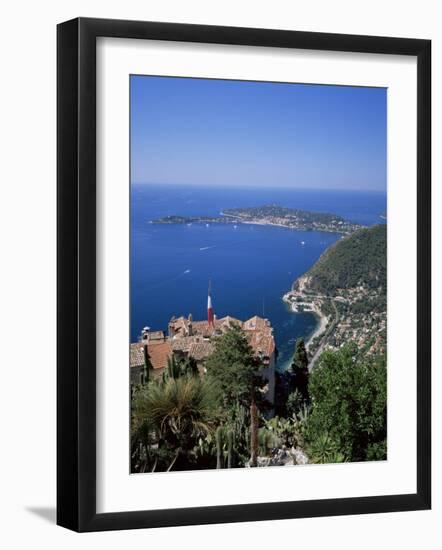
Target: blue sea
(250, 267)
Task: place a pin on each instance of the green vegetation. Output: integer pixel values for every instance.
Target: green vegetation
(348, 285)
(299, 369)
(184, 421)
(175, 219)
(188, 421)
(177, 368)
(323, 450)
(289, 431)
(333, 412)
(275, 211)
(359, 259)
(233, 368)
(349, 406)
(235, 372)
(292, 218)
(168, 419)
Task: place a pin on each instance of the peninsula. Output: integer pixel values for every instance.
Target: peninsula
(298, 220)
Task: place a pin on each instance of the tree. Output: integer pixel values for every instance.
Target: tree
(283, 386)
(349, 404)
(294, 402)
(233, 368)
(300, 369)
(236, 373)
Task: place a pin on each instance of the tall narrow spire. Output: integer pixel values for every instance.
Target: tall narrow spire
(209, 306)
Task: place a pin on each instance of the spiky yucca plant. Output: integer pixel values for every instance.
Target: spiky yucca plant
(323, 450)
(182, 410)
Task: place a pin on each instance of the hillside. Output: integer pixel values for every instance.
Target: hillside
(346, 288)
(275, 211)
(359, 259)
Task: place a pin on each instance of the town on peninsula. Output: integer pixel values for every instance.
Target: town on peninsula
(299, 220)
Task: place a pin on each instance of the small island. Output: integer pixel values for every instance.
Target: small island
(298, 220)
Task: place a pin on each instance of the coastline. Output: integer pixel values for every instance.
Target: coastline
(322, 320)
(322, 323)
(191, 201)
(291, 227)
(270, 215)
(320, 328)
(236, 221)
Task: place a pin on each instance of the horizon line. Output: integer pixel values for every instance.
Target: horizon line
(250, 185)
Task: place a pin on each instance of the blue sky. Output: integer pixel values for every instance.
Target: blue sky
(223, 133)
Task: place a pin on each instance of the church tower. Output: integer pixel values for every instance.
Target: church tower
(210, 317)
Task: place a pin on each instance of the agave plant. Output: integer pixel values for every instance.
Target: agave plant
(182, 411)
(323, 450)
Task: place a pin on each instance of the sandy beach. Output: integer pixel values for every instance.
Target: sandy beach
(320, 329)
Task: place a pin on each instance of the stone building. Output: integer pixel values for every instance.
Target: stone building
(157, 353)
(186, 337)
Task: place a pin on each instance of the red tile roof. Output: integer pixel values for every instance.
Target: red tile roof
(256, 323)
(159, 352)
(261, 343)
(200, 342)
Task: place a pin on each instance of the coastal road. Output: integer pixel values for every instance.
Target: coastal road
(320, 349)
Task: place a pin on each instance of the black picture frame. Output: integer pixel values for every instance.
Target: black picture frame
(76, 273)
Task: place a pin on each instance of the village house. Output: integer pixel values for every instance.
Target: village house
(157, 353)
(186, 337)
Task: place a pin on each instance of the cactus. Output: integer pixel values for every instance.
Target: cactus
(229, 448)
(219, 450)
(253, 435)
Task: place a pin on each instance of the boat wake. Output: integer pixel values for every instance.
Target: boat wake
(170, 279)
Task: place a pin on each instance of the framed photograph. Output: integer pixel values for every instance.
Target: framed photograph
(243, 274)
